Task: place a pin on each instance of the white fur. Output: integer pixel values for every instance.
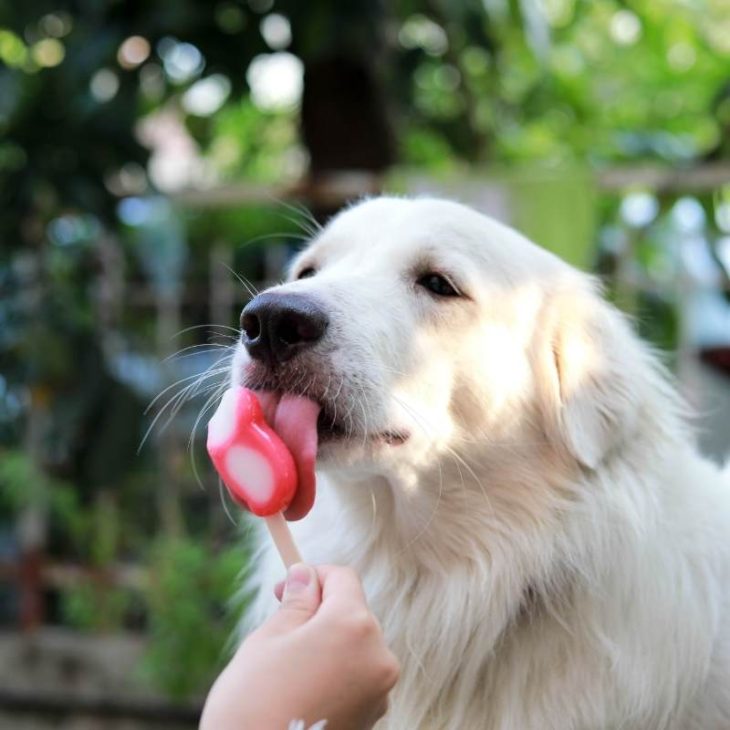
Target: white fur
(547, 550)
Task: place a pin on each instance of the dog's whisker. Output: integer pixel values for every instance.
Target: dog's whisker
(191, 441)
(164, 408)
(302, 225)
(191, 452)
(459, 460)
(251, 290)
(363, 411)
(223, 492)
(310, 224)
(167, 390)
(277, 234)
(199, 350)
(182, 395)
(418, 418)
(188, 394)
(391, 370)
(206, 325)
(308, 215)
(374, 502)
(218, 389)
(335, 400)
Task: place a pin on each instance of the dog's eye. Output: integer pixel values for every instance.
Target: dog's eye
(306, 273)
(437, 284)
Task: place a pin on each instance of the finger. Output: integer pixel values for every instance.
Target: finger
(279, 590)
(300, 600)
(340, 584)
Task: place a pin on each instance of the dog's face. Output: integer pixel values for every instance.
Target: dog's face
(429, 330)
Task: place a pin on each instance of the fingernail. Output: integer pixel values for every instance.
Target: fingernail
(298, 578)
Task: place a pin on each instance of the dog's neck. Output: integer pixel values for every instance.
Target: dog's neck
(443, 554)
(444, 521)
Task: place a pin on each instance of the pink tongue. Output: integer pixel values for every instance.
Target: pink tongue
(294, 418)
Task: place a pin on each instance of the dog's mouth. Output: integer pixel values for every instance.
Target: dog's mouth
(336, 422)
(312, 411)
(329, 429)
(305, 425)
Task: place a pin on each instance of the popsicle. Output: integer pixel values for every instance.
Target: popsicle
(257, 466)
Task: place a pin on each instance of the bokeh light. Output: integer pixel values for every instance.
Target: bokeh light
(625, 27)
(421, 32)
(133, 51)
(276, 80)
(639, 209)
(104, 85)
(276, 31)
(48, 52)
(206, 96)
(182, 61)
(13, 51)
(56, 25)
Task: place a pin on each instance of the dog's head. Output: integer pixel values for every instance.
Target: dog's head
(429, 332)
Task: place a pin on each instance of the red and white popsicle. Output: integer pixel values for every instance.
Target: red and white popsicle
(267, 470)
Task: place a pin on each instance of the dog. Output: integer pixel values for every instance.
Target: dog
(507, 467)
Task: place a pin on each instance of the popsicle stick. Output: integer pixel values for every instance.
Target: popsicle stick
(282, 537)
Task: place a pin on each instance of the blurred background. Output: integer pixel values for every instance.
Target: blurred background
(160, 159)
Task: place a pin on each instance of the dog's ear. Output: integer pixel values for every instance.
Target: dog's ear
(587, 362)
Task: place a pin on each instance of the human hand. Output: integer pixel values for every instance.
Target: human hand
(322, 656)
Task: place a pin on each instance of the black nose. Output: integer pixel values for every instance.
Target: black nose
(276, 327)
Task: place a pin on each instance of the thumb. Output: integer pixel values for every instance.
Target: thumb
(301, 598)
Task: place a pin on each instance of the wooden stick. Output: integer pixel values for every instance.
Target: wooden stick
(282, 537)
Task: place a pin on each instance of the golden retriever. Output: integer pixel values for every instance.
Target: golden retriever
(506, 465)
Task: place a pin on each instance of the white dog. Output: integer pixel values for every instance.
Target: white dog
(506, 466)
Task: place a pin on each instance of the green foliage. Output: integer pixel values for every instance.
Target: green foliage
(92, 603)
(469, 85)
(251, 142)
(24, 486)
(96, 606)
(483, 81)
(190, 582)
(427, 150)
